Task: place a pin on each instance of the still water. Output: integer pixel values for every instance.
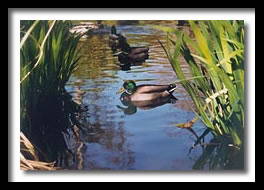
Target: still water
(118, 137)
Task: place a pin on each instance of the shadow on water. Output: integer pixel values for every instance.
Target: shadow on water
(54, 119)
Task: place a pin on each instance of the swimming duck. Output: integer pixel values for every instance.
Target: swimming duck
(124, 57)
(131, 54)
(131, 106)
(147, 92)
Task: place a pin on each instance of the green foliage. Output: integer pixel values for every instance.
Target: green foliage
(48, 55)
(216, 58)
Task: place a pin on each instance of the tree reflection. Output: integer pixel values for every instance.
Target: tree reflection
(103, 140)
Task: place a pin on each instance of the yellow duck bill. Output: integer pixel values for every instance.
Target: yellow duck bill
(122, 89)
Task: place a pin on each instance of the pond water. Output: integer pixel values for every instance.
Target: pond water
(118, 137)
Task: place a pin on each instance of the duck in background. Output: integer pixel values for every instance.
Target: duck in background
(131, 54)
(127, 55)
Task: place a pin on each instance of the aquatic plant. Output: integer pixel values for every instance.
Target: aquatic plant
(29, 156)
(48, 56)
(216, 60)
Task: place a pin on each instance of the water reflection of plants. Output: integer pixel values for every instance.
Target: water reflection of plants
(216, 155)
(48, 55)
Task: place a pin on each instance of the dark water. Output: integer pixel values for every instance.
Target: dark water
(115, 137)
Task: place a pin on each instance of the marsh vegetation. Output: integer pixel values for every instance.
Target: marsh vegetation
(72, 118)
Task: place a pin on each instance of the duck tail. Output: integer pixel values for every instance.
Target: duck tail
(171, 88)
(172, 99)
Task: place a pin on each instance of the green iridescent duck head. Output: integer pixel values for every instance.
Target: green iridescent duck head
(128, 86)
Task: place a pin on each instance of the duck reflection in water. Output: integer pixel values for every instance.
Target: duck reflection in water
(145, 96)
(126, 66)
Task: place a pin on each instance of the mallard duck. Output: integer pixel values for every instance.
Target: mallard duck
(147, 92)
(124, 57)
(131, 54)
(127, 53)
(131, 106)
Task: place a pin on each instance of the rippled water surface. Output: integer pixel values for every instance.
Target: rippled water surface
(118, 137)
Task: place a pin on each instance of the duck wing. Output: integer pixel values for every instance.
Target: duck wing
(138, 57)
(135, 97)
(148, 88)
(139, 50)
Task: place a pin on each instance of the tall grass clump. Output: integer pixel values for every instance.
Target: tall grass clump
(216, 61)
(48, 55)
